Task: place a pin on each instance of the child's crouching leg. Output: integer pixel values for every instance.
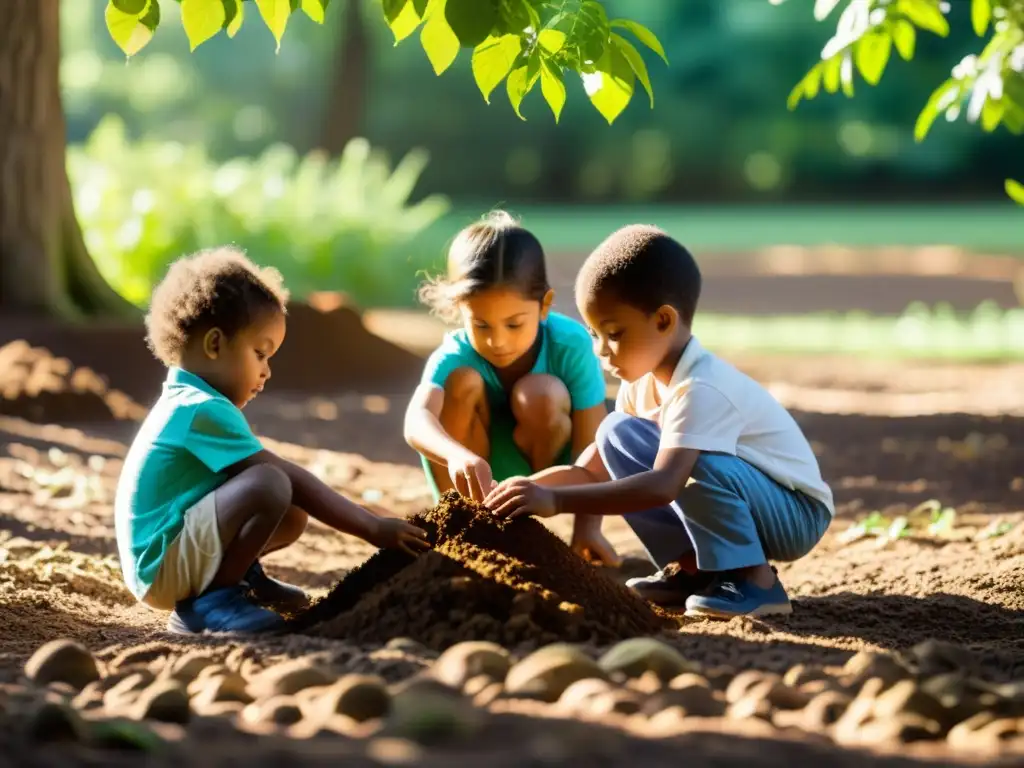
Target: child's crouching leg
(465, 416)
(541, 407)
(250, 508)
(289, 530)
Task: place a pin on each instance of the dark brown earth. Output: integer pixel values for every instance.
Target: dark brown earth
(889, 437)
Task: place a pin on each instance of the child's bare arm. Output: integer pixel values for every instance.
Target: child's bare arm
(334, 510)
(588, 469)
(423, 430)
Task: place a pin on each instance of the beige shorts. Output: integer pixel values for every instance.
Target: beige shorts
(191, 560)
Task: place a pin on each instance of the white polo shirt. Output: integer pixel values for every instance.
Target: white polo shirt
(711, 406)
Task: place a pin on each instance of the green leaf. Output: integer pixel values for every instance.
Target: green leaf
(130, 7)
(552, 87)
(636, 63)
(151, 19)
(420, 6)
(493, 60)
(130, 31)
(405, 22)
(440, 43)
(234, 22)
(393, 9)
(275, 15)
(617, 83)
(931, 110)
(643, 34)
(992, 114)
(981, 15)
(830, 74)
(202, 20)
(904, 35)
(926, 15)
(872, 54)
(551, 40)
(1015, 190)
(471, 20)
(520, 82)
(315, 9)
(807, 88)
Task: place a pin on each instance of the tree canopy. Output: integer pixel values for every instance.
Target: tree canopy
(986, 87)
(518, 42)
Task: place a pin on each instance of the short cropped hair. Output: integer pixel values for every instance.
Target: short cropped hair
(216, 288)
(643, 267)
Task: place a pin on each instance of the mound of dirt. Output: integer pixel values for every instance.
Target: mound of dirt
(40, 387)
(513, 583)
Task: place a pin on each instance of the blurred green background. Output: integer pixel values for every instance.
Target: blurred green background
(344, 161)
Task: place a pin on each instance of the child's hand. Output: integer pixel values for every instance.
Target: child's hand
(471, 476)
(595, 547)
(393, 533)
(519, 496)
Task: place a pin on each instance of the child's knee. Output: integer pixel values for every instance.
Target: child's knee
(266, 488)
(464, 385)
(615, 430)
(540, 400)
(292, 525)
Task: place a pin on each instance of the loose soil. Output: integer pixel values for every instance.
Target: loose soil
(888, 437)
(513, 583)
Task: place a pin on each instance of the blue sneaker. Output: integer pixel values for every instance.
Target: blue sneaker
(268, 591)
(227, 609)
(729, 597)
(671, 586)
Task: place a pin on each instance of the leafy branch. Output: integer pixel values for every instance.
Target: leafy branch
(518, 42)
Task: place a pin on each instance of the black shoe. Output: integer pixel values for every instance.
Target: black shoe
(269, 591)
(671, 586)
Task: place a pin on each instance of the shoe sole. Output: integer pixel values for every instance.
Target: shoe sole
(772, 609)
(177, 627)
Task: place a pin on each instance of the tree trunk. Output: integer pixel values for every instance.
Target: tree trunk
(45, 269)
(346, 95)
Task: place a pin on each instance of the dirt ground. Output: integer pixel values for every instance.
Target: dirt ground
(889, 437)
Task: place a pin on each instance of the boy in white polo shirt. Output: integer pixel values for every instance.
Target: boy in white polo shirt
(710, 471)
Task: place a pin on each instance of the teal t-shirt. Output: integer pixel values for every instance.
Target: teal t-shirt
(566, 352)
(178, 456)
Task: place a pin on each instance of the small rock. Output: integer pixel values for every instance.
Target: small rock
(578, 695)
(936, 657)
(476, 684)
(999, 730)
(695, 700)
(405, 645)
(359, 697)
(744, 681)
(229, 686)
(226, 709)
(750, 706)
(799, 675)
(648, 683)
(619, 702)
(164, 700)
(432, 713)
(90, 697)
(638, 655)
(824, 710)
(112, 681)
(859, 710)
(719, 677)
(907, 697)
(548, 671)
(62, 661)
(813, 688)
(188, 667)
(277, 710)
(127, 690)
(53, 721)
(865, 665)
(463, 661)
(489, 695)
(903, 728)
(667, 722)
(289, 678)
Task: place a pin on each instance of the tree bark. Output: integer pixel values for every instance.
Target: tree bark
(45, 269)
(347, 86)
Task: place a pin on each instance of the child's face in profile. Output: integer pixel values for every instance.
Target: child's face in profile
(502, 324)
(239, 366)
(629, 342)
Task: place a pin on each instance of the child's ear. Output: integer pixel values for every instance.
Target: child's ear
(546, 302)
(213, 343)
(667, 318)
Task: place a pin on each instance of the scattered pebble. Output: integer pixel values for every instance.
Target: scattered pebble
(62, 661)
(466, 660)
(164, 700)
(644, 654)
(288, 678)
(547, 672)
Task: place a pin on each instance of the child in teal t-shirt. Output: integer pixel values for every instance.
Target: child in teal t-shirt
(200, 499)
(517, 388)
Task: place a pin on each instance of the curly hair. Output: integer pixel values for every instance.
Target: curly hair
(494, 252)
(643, 267)
(215, 288)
